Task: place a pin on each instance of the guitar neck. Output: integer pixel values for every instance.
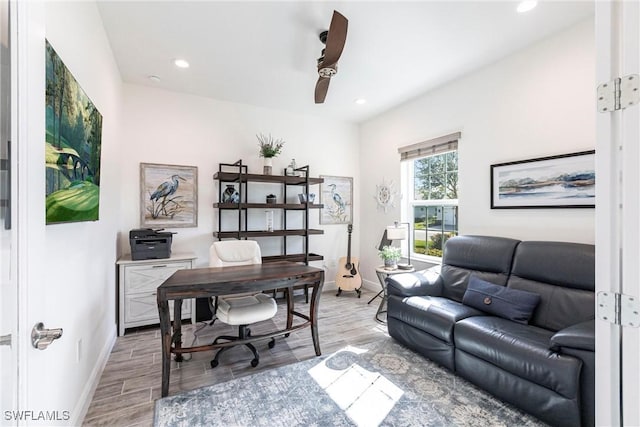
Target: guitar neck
(349, 249)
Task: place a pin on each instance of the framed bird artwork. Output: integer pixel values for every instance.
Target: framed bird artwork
(336, 194)
(168, 196)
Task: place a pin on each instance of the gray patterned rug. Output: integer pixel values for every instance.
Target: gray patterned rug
(381, 383)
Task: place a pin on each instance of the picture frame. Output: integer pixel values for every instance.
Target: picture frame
(73, 145)
(336, 196)
(562, 181)
(168, 196)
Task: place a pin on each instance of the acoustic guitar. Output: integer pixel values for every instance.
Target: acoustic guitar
(348, 277)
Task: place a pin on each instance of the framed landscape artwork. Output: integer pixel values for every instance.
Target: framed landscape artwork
(168, 196)
(564, 181)
(73, 140)
(336, 194)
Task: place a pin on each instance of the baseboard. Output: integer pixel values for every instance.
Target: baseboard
(82, 407)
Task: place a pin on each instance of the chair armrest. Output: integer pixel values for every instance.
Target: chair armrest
(580, 336)
(419, 283)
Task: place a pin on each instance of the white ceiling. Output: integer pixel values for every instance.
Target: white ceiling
(264, 53)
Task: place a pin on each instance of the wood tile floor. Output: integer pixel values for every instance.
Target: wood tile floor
(131, 380)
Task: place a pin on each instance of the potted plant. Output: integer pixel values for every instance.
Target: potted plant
(269, 148)
(390, 255)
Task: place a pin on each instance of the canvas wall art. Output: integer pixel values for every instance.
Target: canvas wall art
(72, 146)
(336, 194)
(168, 196)
(564, 181)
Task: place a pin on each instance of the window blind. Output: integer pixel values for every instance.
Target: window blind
(430, 147)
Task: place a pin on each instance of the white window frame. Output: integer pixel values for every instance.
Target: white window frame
(408, 204)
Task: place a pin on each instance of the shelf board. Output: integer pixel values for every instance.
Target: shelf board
(259, 233)
(292, 258)
(252, 177)
(286, 206)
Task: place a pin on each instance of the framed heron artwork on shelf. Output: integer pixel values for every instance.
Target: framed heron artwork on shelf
(336, 194)
(73, 139)
(168, 196)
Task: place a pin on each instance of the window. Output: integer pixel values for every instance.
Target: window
(430, 181)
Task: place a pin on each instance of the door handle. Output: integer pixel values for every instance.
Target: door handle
(41, 337)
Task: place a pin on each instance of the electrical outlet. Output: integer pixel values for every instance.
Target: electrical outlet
(78, 350)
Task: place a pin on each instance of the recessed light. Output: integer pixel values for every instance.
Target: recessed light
(181, 63)
(154, 79)
(360, 101)
(526, 6)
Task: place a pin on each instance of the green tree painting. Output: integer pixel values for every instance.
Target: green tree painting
(72, 146)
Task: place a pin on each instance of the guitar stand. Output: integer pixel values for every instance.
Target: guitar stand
(359, 291)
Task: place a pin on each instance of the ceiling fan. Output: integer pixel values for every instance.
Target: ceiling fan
(334, 40)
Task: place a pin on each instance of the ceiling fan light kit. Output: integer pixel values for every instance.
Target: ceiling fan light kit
(334, 40)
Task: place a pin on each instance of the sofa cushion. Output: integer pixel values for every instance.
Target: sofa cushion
(522, 350)
(563, 274)
(434, 315)
(487, 257)
(507, 303)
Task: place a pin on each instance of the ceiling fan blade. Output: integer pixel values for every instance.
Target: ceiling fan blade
(321, 89)
(335, 39)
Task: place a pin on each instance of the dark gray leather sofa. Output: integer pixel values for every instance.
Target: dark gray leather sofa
(545, 367)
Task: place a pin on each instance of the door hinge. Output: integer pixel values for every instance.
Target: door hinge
(619, 309)
(619, 93)
(5, 340)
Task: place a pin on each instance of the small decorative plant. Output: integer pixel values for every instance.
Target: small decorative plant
(269, 147)
(390, 253)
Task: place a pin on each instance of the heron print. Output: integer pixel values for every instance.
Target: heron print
(337, 199)
(168, 195)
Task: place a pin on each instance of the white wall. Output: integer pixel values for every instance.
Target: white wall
(537, 102)
(68, 279)
(178, 129)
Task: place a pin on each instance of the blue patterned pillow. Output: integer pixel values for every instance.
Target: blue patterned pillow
(512, 304)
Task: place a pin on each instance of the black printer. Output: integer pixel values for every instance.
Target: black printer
(147, 243)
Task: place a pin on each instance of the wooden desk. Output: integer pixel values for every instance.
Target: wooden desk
(208, 282)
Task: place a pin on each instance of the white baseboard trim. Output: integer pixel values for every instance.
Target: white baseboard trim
(82, 407)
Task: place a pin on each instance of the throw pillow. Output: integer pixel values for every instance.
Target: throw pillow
(512, 304)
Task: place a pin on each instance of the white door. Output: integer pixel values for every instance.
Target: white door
(618, 215)
(8, 287)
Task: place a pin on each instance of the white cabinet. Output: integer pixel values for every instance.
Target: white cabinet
(137, 284)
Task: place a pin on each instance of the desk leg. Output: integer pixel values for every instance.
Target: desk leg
(290, 307)
(165, 333)
(177, 327)
(313, 313)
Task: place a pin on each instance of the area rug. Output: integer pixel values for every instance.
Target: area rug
(381, 383)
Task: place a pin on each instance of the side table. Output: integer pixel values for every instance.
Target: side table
(382, 274)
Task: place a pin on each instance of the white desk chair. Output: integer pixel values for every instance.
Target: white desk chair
(240, 309)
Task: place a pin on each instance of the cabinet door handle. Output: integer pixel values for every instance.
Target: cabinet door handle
(159, 266)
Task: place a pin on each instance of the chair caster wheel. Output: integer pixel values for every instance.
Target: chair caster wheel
(272, 343)
(254, 362)
(214, 363)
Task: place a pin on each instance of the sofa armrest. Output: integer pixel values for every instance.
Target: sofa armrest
(419, 283)
(580, 336)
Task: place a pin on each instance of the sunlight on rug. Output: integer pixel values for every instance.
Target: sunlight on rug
(366, 397)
